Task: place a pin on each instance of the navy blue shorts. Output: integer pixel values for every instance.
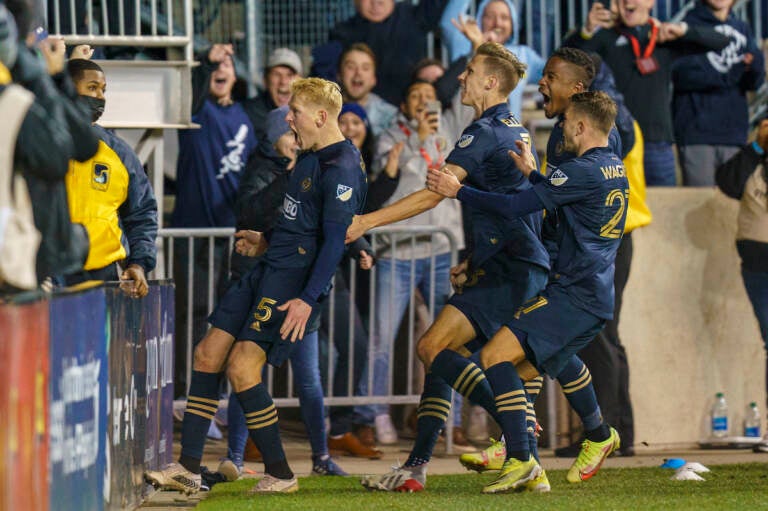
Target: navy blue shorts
(248, 310)
(493, 294)
(551, 329)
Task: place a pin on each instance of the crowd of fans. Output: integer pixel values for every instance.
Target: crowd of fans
(676, 83)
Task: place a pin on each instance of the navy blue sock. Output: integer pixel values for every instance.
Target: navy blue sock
(202, 403)
(433, 411)
(576, 381)
(466, 378)
(511, 406)
(532, 389)
(261, 419)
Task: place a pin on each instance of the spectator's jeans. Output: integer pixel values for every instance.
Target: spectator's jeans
(393, 294)
(659, 164)
(344, 417)
(756, 284)
(699, 161)
(306, 381)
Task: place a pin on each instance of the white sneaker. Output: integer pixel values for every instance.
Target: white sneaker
(271, 484)
(386, 434)
(174, 477)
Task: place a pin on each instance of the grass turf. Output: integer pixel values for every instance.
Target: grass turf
(729, 487)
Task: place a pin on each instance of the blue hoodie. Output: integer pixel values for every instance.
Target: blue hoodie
(710, 103)
(459, 46)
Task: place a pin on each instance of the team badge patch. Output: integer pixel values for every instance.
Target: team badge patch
(558, 178)
(306, 184)
(465, 140)
(343, 192)
(100, 176)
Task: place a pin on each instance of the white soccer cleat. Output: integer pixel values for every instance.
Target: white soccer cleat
(399, 479)
(271, 484)
(174, 477)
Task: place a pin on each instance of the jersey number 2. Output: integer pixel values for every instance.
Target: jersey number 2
(263, 313)
(610, 229)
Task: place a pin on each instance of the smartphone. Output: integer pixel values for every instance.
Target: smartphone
(434, 108)
(41, 34)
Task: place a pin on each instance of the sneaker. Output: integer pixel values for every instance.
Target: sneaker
(591, 457)
(325, 466)
(271, 484)
(348, 444)
(229, 470)
(386, 434)
(210, 479)
(538, 485)
(174, 477)
(400, 479)
(515, 476)
(491, 458)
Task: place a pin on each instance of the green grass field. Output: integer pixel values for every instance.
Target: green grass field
(726, 487)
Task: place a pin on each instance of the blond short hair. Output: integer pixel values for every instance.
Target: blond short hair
(598, 107)
(321, 93)
(503, 64)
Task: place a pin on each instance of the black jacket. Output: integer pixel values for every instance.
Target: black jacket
(648, 96)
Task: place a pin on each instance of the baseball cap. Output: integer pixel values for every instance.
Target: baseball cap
(285, 57)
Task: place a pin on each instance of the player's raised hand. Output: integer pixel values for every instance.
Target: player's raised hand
(250, 243)
(295, 319)
(524, 160)
(443, 182)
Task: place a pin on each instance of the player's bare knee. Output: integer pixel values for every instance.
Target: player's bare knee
(492, 356)
(428, 348)
(206, 359)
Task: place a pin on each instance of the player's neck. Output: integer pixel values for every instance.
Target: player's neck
(329, 136)
(591, 143)
(488, 101)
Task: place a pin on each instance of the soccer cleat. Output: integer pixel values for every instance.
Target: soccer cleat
(271, 484)
(326, 467)
(491, 458)
(538, 485)
(591, 457)
(174, 477)
(400, 479)
(229, 470)
(515, 476)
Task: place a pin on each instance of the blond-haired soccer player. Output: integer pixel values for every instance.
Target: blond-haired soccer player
(508, 264)
(264, 315)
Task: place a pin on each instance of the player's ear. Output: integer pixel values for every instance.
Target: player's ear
(321, 119)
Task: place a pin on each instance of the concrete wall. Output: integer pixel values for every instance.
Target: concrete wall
(686, 322)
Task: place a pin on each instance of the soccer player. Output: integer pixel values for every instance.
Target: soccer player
(589, 193)
(568, 71)
(508, 264)
(260, 318)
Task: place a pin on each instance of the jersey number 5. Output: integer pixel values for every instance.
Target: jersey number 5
(610, 229)
(263, 313)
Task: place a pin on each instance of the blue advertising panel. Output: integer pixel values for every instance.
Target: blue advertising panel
(78, 399)
(166, 358)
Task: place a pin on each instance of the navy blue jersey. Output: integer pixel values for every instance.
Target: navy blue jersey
(556, 155)
(210, 163)
(590, 195)
(328, 185)
(482, 151)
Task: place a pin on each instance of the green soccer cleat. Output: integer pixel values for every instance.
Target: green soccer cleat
(515, 476)
(539, 484)
(491, 458)
(591, 457)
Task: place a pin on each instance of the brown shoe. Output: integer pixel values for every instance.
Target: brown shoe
(366, 435)
(459, 438)
(252, 452)
(349, 445)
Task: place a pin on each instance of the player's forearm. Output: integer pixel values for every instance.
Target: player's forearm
(407, 207)
(328, 258)
(505, 206)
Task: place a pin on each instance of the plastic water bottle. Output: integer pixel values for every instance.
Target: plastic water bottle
(719, 416)
(752, 421)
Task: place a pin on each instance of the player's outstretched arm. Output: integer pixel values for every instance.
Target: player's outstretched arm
(407, 207)
(506, 206)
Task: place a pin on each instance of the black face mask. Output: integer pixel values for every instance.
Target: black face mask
(95, 106)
